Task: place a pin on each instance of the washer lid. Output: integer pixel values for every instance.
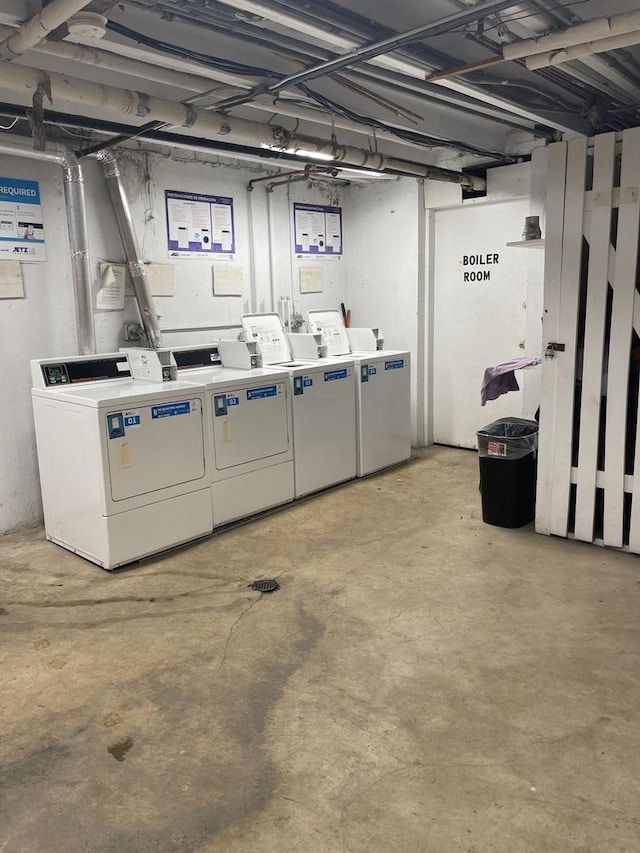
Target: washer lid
(334, 334)
(267, 331)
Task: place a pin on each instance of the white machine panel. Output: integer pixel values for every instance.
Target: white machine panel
(154, 447)
(384, 404)
(329, 324)
(324, 424)
(249, 423)
(266, 330)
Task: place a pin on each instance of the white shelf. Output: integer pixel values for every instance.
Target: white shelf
(528, 244)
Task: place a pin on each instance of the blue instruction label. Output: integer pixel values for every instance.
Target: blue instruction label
(265, 391)
(396, 364)
(330, 375)
(171, 409)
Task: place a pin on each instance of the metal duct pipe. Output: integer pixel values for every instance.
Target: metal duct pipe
(211, 125)
(77, 226)
(38, 28)
(132, 252)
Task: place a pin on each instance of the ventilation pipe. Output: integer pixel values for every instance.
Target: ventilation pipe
(77, 225)
(212, 125)
(132, 252)
(36, 29)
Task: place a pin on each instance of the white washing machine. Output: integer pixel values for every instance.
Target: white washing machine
(383, 390)
(123, 466)
(324, 406)
(249, 430)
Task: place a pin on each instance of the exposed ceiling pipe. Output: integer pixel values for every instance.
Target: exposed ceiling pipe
(39, 26)
(594, 30)
(366, 52)
(136, 266)
(452, 91)
(579, 51)
(77, 227)
(209, 124)
(195, 84)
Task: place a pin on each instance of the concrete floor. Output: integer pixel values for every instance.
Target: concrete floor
(421, 682)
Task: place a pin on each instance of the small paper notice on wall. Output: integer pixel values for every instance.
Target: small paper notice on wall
(311, 280)
(11, 286)
(110, 297)
(227, 281)
(162, 279)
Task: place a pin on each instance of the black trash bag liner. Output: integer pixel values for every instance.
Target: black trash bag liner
(508, 438)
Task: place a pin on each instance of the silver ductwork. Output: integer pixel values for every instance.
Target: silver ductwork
(132, 252)
(77, 226)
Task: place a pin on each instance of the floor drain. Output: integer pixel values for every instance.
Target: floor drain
(265, 585)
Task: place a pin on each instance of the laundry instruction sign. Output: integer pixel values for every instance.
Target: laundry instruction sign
(479, 267)
(21, 228)
(199, 225)
(317, 230)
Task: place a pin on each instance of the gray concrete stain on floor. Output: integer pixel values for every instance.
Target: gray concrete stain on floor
(421, 682)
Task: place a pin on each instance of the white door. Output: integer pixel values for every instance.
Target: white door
(480, 293)
(154, 447)
(250, 424)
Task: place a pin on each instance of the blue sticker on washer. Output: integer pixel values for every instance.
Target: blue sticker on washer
(396, 364)
(171, 409)
(373, 371)
(308, 382)
(265, 391)
(233, 401)
(131, 419)
(115, 425)
(330, 375)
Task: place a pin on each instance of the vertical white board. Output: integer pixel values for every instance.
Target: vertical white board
(550, 328)
(597, 285)
(567, 330)
(624, 288)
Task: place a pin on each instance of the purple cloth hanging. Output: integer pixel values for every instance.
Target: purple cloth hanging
(500, 379)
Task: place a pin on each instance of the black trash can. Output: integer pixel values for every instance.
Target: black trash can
(507, 451)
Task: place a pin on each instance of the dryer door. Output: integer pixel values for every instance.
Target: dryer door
(250, 423)
(152, 448)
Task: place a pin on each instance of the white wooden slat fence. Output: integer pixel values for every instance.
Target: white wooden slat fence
(589, 435)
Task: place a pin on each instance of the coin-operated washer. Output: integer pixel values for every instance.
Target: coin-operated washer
(247, 424)
(323, 398)
(123, 467)
(383, 390)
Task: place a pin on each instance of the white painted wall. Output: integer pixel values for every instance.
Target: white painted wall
(385, 267)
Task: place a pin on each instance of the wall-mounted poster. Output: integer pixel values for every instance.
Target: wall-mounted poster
(21, 228)
(317, 230)
(199, 226)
